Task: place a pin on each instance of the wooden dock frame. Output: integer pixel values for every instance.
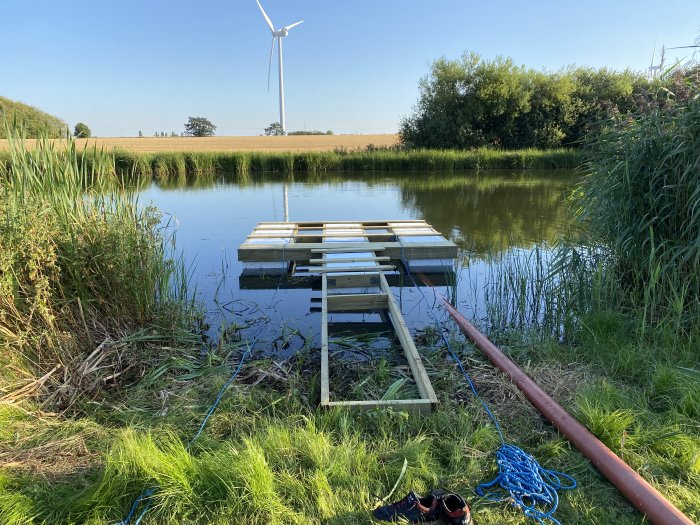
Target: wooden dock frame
(372, 247)
(383, 302)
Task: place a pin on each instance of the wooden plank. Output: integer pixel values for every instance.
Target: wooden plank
(356, 302)
(353, 281)
(419, 406)
(349, 260)
(305, 251)
(372, 222)
(414, 361)
(335, 235)
(344, 250)
(325, 388)
(353, 269)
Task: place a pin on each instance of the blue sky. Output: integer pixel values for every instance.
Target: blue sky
(352, 66)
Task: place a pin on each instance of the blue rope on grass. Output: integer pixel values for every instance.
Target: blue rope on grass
(146, 495)
(526, 483)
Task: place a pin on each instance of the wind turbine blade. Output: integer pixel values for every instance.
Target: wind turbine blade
(267, 18)
(663, 56)
(269, 67)
(682, 47)
(293, 25)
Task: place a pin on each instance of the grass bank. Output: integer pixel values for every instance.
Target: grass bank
(177, 164)
(105, 377)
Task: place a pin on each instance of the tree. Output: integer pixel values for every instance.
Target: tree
(140, 133)
(471, 102)
(274, 129)
(81, 131)
(199, 127)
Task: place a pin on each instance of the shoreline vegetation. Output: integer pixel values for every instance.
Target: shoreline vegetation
(169, 164)
(105, 371)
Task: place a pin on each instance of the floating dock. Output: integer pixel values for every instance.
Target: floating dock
(351, 259)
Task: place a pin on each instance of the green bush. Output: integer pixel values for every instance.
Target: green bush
(32, 122)
(471, 103)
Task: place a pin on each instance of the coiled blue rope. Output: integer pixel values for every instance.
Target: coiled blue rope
(146, 496)
(520, 476)
(529, 486)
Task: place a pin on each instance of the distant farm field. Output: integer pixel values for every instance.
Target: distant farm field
(219, 144)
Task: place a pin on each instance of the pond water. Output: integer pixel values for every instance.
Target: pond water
(484, 213)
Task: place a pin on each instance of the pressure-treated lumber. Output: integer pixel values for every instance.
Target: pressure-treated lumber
(325, 388)
(357, 302)
(412, 239)
(350, 260)
(381, 302)
(352, 269)
(414, 361)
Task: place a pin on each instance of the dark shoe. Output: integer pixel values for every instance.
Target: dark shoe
(412, 508)
(455, 510)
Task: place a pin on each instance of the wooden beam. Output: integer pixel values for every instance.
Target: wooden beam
(333, 249)
(349, 260)
(353, 281)
(414, 406)
(329, 234)
(356, 302)
(304, 251)
(353, 269)
(325, 388)
(372, 222)
(414, 361)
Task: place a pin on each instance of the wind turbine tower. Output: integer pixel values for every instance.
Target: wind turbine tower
(277, 34)
(656, 70)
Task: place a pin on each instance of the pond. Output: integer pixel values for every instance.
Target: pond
(486, 214)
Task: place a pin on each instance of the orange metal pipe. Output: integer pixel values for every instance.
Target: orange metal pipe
(641, 494)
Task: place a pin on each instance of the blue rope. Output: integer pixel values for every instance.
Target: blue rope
(519, 474)
(147, 494)
(527, 483)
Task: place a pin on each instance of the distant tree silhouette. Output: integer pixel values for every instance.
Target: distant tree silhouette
(274, 129)
(81, 131)
(199, 127)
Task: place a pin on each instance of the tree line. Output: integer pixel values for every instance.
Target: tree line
(472, 102)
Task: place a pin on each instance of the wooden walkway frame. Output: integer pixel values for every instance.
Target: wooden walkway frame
(380, 302)
(372, 247)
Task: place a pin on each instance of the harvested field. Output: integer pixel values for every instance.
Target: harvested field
(294, 143)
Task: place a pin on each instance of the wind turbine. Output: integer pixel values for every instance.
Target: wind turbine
(278, 34)
(654, 71)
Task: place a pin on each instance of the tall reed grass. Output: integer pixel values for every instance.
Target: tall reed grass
(80, 265)
(640, 198)
(192, 164)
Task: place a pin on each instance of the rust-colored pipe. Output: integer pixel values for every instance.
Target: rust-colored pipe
(646, 498)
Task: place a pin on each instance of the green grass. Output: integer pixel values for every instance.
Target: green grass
(269, 455)
(174, 165)
(32, 121)
(85, 270)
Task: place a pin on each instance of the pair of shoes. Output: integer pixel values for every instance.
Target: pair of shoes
(438, 505)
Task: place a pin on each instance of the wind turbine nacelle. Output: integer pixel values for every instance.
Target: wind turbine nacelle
(281, 32)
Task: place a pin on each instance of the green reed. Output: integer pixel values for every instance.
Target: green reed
(176, 164)
(640, 197)
(81, 261)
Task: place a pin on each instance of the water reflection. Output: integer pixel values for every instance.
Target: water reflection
(481, 212)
